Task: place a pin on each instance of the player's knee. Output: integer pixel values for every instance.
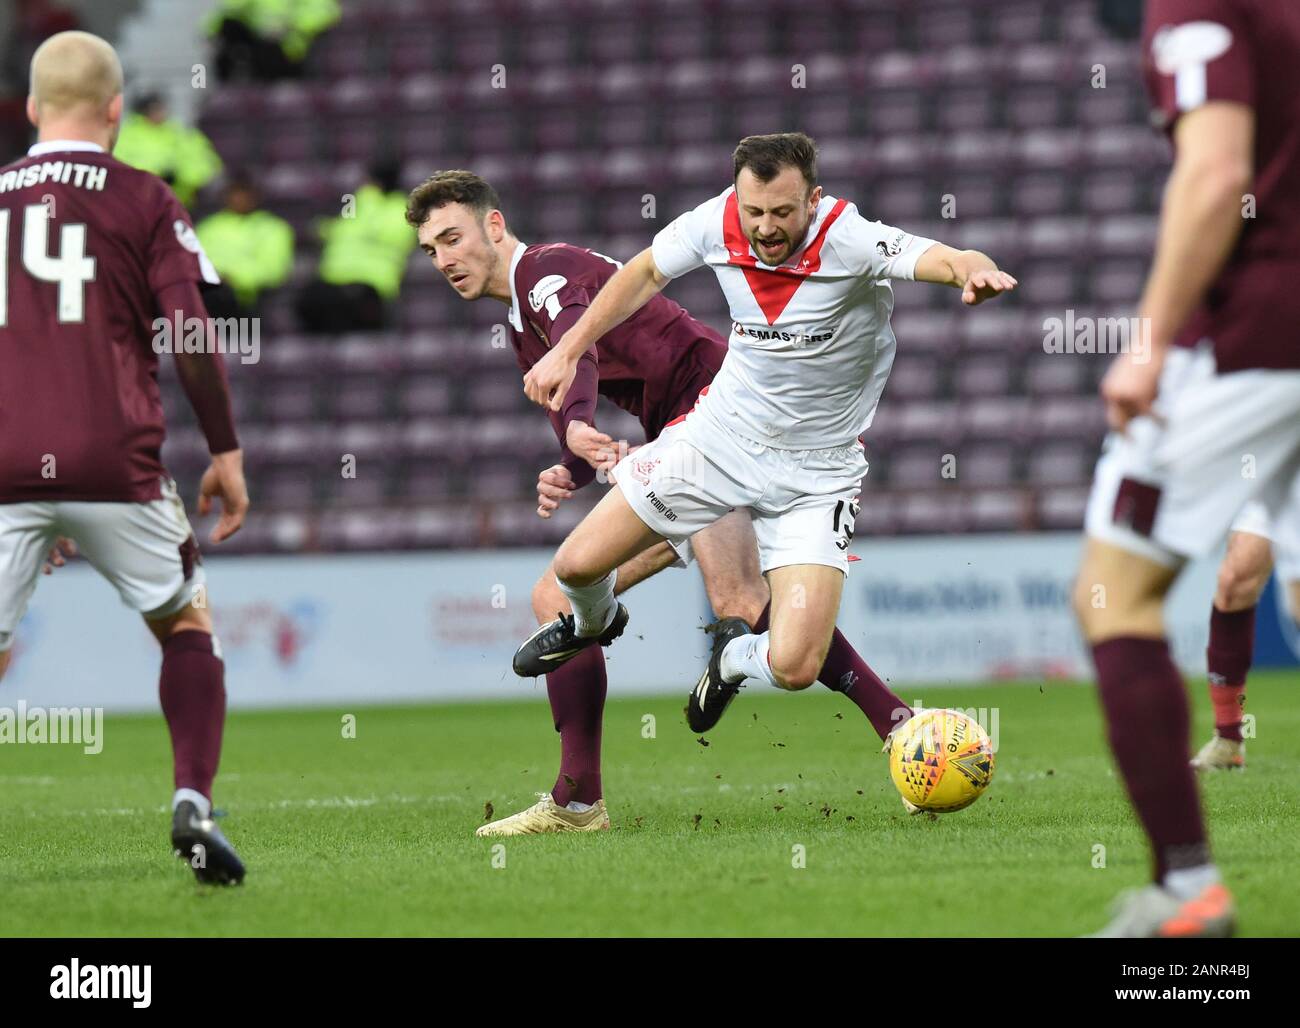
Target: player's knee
(4, 654)
(193, 617)
(572, 569)
(1239, 586)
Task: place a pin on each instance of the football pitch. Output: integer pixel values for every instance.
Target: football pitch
(786, 823)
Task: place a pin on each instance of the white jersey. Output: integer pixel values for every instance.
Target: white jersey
(810, 346)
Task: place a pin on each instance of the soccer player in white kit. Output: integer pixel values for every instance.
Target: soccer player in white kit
(807, 279)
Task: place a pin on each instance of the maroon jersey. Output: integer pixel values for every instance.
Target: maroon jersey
(652, 365)
(88, 244)
(1248, 52)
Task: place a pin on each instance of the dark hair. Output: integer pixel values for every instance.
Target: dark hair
(386, 174)
(147, 100)
(444, 187)
(240, 178)
(765, 156)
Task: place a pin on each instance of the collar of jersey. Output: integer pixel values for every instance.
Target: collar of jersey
(64, 146)
(516, 319)
(828, 209)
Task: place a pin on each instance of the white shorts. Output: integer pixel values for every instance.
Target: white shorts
(1224, 455)
(146, 550)
(803, 502)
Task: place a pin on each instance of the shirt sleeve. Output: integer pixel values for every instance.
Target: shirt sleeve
(582, 472)
(202, 375)
(580, 400)
(1198, 51)
(175, 254)
(878, 250)
(682, 245)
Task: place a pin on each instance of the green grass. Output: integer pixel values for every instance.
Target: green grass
(374, 835)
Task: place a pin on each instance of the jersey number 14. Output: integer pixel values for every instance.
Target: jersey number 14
(71, 270)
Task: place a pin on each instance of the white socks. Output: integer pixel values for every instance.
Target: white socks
(746, 657)
(593, 605)
(1189, 882)
(197, 798)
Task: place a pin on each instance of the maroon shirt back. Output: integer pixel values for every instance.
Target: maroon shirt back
(645, 364)
(86, 244)
(1246, 51)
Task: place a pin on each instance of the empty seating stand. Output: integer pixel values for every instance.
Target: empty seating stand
(978, 122)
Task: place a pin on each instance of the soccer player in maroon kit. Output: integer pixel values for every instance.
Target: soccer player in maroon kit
(655, 366)
(91, 252)
(1209, 423)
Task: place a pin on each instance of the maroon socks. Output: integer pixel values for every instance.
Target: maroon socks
(1146, 711)
(193, 693)
(844, 671)
(576, 690)
(1228, 657)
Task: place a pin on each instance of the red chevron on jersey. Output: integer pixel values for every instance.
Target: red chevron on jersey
(773, 288)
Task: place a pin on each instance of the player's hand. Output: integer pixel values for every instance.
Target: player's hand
(549, 379)
(224, 480)
(609, 472)
(986, 284)
(554, 485)
(592, 445)
(1130, 386)
(62, 549)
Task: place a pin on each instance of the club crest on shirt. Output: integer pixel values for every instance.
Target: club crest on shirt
(643, 469)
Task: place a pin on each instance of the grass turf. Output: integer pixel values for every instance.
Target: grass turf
(374, 835)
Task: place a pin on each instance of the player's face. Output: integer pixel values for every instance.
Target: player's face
(457, 243)
(775, 215)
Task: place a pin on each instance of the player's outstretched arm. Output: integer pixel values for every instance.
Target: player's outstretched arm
(974, 273)
(630, 288)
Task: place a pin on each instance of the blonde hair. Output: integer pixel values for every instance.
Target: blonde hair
(75, 69)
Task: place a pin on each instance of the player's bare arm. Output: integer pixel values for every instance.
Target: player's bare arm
(224, 481)
(623, 295)
(974, 273)
(1200, 223)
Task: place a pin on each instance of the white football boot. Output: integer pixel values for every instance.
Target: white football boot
(1155, 913)
(1220, 754)
(547, 816)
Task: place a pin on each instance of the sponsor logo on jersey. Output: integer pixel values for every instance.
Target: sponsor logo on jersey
(1176, 47)
(660, 506)
(189, 239)
(892, 246)
(798, 339)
